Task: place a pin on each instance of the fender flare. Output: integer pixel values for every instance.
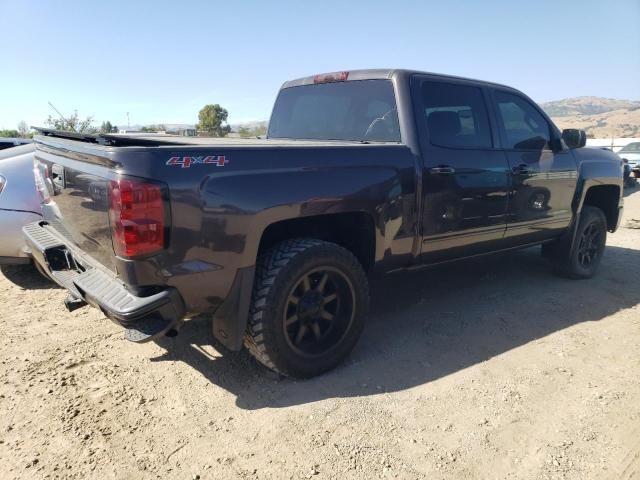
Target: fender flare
(591, 174)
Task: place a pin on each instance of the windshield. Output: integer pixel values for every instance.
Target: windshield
(362, 110)
(632, 147)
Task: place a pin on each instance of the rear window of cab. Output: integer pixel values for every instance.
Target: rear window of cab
(359, 110)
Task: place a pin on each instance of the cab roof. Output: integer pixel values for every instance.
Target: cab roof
(374, 74)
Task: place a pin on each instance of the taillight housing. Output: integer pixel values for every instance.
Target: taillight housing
(42, 180)
(137, 217)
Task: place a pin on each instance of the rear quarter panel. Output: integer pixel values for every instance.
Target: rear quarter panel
(220, 213)
(12, 243)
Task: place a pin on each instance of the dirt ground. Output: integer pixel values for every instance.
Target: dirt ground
(489, 369)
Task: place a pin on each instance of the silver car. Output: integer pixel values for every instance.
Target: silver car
(8, 142)
(631, 153)
(19, 202)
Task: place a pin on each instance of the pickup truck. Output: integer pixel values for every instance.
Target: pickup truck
(273, 239)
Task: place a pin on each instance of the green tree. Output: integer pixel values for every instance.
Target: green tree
(211, 119)
(23, 129)
(154, 128)
(252, 132)
(72, 123)
(9, 133)
(106, 127)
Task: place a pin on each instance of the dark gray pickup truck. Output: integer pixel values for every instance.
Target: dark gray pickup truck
(273, 239)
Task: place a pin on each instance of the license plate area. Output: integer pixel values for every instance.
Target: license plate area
(61, 259)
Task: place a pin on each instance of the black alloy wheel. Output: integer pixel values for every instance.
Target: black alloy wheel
(308, 307)
(589, 245)
(581, 258)
(319, 311)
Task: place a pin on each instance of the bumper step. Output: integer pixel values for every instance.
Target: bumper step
(144, 318)
(147, 329)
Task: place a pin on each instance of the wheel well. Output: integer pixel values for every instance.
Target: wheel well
(353, 231)
(606, 198)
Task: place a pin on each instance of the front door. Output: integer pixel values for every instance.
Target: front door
(465, 178)
(543, 179)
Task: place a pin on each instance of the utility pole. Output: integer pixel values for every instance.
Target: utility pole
(128, 124)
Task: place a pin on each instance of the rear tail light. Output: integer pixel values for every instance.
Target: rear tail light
(331, 77)
(41, 177)
(137, 218)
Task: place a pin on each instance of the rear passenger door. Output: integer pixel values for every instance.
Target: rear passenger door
(543, 178)
(465, 178)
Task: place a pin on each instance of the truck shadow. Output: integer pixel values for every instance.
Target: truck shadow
(429, 324)
(631, 190)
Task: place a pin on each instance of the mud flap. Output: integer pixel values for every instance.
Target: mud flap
(230, 320)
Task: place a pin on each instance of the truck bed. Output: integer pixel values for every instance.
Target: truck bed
(235, 142)
(160, 140)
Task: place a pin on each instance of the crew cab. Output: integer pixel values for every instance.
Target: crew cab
(361, 171)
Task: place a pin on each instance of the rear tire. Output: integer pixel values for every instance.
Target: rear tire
(582, 260)
(308, 307)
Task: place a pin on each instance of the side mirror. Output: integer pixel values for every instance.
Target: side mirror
(574, 138)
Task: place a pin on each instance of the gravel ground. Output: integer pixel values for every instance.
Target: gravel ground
(488, 369)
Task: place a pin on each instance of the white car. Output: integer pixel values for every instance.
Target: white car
(8, 142)
(19, 202)
(631, 153)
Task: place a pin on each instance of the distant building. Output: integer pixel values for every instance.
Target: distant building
(182, 129)
(183, 132)
(129, 130)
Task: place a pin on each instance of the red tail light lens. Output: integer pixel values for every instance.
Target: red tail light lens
(136, 214)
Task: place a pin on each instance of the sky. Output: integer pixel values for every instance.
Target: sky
(162, 61)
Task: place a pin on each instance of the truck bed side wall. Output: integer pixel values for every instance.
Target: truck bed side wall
(219, 213)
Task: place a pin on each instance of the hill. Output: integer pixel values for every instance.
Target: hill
(586, 106)
(599, 117)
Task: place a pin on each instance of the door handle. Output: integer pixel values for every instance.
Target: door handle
(442, 170)
(522, 169)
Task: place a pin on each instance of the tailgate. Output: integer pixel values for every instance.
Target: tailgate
(76, 204)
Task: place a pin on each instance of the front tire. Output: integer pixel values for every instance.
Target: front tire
(583, 258)
(308, 307)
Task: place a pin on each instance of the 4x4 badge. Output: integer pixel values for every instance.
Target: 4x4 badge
(186, 162)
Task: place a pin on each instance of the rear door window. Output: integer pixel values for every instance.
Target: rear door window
(456, 115)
